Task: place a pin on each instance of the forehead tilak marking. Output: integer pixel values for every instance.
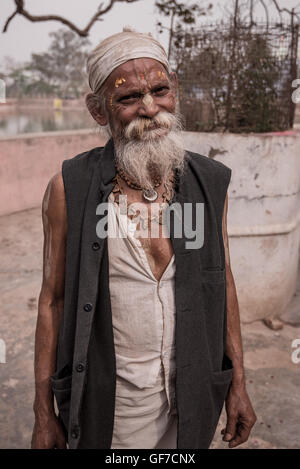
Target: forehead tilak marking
(161, 74)
(119, 82)
(141, 76)
(146, 75)
(111, 101)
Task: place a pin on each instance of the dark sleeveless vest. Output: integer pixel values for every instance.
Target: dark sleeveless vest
(84, 382)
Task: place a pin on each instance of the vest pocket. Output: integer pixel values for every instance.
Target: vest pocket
(61, 383)
(224, 375)
(212, 275)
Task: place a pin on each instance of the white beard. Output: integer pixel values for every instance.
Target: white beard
(157, 152)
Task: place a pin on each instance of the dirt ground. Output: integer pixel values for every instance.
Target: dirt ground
(273, 380)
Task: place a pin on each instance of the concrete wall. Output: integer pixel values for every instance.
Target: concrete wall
(39, 103)
(263, 215)
(28, 161)
(264, 205)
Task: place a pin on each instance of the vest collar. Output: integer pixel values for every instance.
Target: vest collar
(107, 162)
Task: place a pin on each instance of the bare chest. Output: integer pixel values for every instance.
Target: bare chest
(152, 235)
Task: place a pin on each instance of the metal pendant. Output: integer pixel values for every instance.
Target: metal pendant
(150, 194)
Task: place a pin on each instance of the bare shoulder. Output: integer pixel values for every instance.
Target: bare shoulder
(224, 218)
(54, 201)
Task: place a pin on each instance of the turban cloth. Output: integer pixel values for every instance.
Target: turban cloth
(118, 49)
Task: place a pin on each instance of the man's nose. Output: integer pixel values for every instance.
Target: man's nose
(148, 107)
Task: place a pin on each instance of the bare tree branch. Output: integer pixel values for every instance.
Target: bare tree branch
(251, 12)
(243, 8)
(266, 11)
(281, 10)
(251, 5)
(236, 13)
(9, 20)
(20, 10)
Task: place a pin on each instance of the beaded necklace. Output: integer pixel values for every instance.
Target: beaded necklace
(149, 194)
(166, 196)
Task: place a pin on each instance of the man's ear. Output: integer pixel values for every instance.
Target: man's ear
(96, 110)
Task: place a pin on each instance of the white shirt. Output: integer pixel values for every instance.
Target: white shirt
(143, 317)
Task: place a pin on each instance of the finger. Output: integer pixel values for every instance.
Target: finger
(242, 435)
(230, 430)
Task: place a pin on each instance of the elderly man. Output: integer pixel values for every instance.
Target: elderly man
(138, 333)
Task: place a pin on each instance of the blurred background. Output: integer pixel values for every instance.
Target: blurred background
(239, 88)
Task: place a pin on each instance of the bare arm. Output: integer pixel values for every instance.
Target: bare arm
(47, 431)
(240, 414)
(234, 348)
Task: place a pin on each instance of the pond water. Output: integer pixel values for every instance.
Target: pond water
(44, 120)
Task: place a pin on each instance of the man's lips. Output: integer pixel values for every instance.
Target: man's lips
(156, 127)
(154, 133)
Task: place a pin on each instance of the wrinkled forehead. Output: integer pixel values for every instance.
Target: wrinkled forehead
(136, 71)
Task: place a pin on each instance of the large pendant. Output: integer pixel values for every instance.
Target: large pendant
(150, 194)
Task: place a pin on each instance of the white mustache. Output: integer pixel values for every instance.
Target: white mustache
(146, 128)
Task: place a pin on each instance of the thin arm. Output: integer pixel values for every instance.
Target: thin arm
(234, 348)
(51, 297)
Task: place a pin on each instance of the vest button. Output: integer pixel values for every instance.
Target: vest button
(88, 307)
(74, 432)
(79, 367)
(96, 246)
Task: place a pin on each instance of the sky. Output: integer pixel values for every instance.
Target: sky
(24, 37)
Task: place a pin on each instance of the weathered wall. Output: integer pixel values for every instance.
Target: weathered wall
(28, 161)
(263, 215)
(264, 205)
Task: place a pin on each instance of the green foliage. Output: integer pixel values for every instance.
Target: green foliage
(254, 98)
(181, 13)
(60, 71)
(62, 67)
(18, 80)
(230, 82)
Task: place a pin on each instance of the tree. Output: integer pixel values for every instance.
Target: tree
(245, 11)
(185, 12)
(63, 65)
(15, 76)
(254, 98)
(60, 71)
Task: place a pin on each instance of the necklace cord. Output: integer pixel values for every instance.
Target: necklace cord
(167, 195)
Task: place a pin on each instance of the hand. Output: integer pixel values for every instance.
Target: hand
(240, 416)
(48, 434)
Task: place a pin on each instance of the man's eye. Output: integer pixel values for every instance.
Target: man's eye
(129, 98)
(161, 91)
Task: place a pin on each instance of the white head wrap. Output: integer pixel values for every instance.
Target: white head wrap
(118, 49)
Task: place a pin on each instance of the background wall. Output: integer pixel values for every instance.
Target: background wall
(264, 201)
(263, 215)
(29, 161)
